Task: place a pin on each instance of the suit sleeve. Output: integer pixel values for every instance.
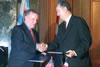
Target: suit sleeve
(85, 38)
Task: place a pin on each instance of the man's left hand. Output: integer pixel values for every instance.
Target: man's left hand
(70, 53)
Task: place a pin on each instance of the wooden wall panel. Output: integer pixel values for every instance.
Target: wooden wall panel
(47, 21)
(43, 20)
(82, 8)
(95, 28)
(52, 18)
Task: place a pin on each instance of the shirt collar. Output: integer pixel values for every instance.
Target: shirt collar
(67, 20)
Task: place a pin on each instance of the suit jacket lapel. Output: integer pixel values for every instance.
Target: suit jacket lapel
(68, 29)
(27, 32)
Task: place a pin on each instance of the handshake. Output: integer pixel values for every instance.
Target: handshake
(42, 47)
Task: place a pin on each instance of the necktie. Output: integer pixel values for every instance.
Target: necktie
(32, 35)
(65, 26)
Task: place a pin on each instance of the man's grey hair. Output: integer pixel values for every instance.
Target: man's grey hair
(64, 4)
(30, 10)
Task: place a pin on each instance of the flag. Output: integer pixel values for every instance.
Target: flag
(50, 63)
(59, 1)
(23, 7)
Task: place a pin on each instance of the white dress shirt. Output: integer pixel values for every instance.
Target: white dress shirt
(67, 20)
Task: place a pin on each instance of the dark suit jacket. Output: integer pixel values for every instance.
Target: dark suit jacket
(76, 37)
(23, 47)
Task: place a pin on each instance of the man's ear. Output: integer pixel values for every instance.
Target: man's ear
(25, 18)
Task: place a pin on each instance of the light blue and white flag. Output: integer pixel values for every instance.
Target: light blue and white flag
(23, 7)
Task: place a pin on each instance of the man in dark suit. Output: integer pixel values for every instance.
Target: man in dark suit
(73, 38)
(23, 42)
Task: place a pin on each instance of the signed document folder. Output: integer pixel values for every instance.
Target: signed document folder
(39, 58)
(60, 53)
(42, 58)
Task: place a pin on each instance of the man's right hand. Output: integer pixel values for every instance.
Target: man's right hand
(42, 47)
